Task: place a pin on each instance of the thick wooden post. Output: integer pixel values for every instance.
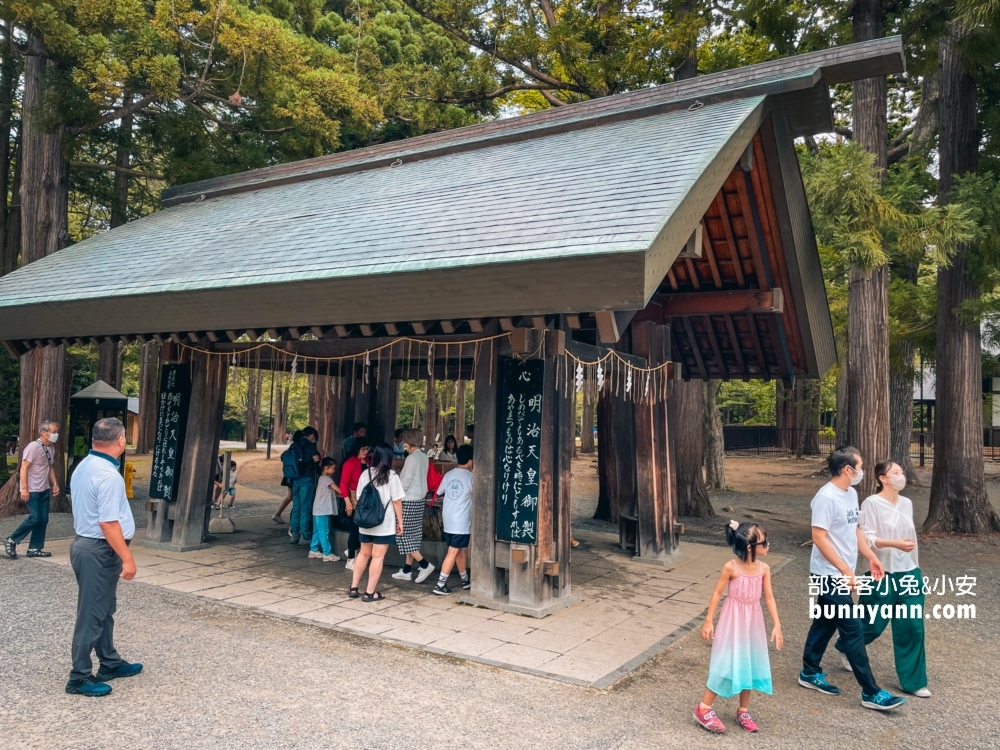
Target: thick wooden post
(382, 420)
(652, 453)
(201, 447)
(487, 582)
(565, 401)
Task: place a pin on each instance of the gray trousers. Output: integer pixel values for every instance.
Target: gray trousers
(97, 569)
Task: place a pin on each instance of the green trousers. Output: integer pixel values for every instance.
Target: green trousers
(907, 632)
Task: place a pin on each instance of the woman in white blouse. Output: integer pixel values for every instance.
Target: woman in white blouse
(886, 520)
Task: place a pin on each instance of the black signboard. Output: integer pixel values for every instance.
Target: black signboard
(519, 450)
(171, 422)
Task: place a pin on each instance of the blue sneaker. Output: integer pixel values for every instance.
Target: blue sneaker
(89, 686)
(883, 700)
(122, 670)
(818, 682)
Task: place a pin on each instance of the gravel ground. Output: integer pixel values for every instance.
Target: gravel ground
(220, 677)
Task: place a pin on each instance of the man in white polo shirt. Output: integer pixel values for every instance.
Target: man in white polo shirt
(100, 556)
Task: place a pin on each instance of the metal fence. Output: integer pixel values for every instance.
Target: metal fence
(767, 440)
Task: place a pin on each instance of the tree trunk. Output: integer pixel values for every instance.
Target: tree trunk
(11, 249)
(901, 407)
(958, 501)
(715, 444)
(123, 159)
(868, 289)
(784, 416)
(149, 387)
(587, 423)
(255, 391)
(687, 422)
(44, 230)
(843, 414)
(108, 364)
(8, 75)
(807, 402)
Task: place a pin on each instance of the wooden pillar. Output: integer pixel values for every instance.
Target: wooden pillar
(382, 418)
(533, 545)
(565, 402)
(201, 447)
(487, 581)
(652, 453)
(431, 413)
(460, 410)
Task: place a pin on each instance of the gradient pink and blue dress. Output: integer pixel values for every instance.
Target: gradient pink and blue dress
(739, 650)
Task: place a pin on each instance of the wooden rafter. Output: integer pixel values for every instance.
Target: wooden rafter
(716, 349)
(695, 349)
(727, 228)
(709, 254)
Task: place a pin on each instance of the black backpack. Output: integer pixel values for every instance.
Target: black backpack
(370, 512)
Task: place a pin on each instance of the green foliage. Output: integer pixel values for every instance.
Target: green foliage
(747, 402)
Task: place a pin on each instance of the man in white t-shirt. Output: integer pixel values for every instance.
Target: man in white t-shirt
(456, 515)
(837, 540)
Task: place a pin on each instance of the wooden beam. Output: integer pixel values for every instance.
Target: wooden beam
(719, 303)
(693, 274)
(391, 329)
(692, 248)
(317, 331)
(538, 321)
(476, 325)
(252, 334)
(447, 326)
(716, 349)
(341, 331)
(506, 324)
(366, 330)
(737, 349)
(573, 322)
(419, 328)
(294, 333)
(607, 326)
(212, 336)
(762, 267)
(672, 278)
(746, 160)
(765, 372)
(710, 256)
(727, 228)
(694, 347)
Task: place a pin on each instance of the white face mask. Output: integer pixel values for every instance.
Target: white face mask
(897, 482)
(53, 437)
(860, 474)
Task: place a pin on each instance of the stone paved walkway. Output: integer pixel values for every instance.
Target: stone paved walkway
(628, 611)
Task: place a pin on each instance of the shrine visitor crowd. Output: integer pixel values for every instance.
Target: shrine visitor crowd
(325, 495)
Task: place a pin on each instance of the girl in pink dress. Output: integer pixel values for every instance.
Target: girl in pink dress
(739, 649)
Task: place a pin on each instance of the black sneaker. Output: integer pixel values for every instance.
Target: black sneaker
(38, 553)
(122, 670)
(466, 584)
(441, 590)
(10, 548)
(90, 686)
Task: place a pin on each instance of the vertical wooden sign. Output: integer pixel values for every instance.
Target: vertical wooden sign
(519, 450)
(171, 424)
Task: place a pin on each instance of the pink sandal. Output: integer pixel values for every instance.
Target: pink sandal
(708, 719)
(744, 720)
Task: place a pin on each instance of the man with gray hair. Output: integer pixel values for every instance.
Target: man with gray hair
(38, 485)
(100, 556)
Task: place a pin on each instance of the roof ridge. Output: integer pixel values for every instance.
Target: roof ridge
(835, 65)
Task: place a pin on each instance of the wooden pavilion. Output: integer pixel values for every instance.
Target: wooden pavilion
(615, 244)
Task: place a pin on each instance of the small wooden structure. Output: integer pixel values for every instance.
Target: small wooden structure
(97, 401)
(615, 245)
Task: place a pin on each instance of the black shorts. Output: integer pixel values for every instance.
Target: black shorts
(458, 541)
(369, 539)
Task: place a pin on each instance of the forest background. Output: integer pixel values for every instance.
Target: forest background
(103, 103)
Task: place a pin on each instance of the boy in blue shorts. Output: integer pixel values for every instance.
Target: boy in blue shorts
(456, 511)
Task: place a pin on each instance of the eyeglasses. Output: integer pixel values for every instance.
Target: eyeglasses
(762, 543)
